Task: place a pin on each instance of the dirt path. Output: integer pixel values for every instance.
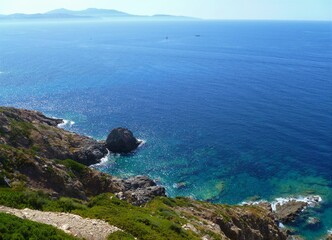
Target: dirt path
(90, 229)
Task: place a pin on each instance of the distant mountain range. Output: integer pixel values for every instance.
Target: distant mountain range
(90, 13)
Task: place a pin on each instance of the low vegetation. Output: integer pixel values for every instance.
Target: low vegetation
(14, 228)
(33, 155)
(155, 221)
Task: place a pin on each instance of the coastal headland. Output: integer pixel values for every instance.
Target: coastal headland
(47, 168)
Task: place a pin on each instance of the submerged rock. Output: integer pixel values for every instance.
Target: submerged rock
(313, 223)
(121, 140)
(180, 185)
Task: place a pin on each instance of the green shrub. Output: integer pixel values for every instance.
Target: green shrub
(64, 205)
(22, 199)
(119, 235)
(19, 130)
(76, 168)
(12, 227)
(147, 222)
(157, 220)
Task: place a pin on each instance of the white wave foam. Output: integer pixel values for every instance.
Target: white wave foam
(311, 201)
(109, 155)
(281, 225)
(142, 142)
(66, 123)
(329, 231)
(103, 160)
(253, 202)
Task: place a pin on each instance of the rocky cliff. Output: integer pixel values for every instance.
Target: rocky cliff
(36, 154)
(32, 130)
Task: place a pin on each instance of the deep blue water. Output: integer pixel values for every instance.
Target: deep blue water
(242, 112)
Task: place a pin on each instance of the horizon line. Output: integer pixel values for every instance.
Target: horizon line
(197, 18)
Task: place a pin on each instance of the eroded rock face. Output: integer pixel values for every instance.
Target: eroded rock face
(236, 223)
(34, 151)
(294, 237)
(289, 211)
(139, 190)
(27, 129)
(121, 140)
(329, 237)
(32, 147)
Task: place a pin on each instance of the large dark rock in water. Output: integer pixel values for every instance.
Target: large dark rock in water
(121, 140)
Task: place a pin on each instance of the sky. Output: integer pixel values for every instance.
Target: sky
(206, 9)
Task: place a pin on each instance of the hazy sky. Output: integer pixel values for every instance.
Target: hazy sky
(210, 9)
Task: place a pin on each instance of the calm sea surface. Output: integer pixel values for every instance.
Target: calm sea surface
(241, 112)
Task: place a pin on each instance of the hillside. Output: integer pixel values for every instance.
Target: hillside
(45, 168)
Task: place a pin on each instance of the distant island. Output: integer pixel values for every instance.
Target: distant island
(93, 14)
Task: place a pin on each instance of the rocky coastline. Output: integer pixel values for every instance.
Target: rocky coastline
(48, 156)
(38, 155)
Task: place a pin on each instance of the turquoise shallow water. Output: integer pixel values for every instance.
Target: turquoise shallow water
(242, 112)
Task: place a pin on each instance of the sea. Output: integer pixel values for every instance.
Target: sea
(229, 111)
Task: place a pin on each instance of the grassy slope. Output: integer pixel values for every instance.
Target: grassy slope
(161, 218)
(155, 221)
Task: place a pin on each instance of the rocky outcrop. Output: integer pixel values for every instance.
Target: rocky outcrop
(22, 115)
(233, 222)
(329, 237)
(32, 130)
(139, 190)
(289, 211)
(59, 178)
(286, 210)
(68, 178)
(295, 237)
(121, 140)
(247, 226)
(35, 152)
